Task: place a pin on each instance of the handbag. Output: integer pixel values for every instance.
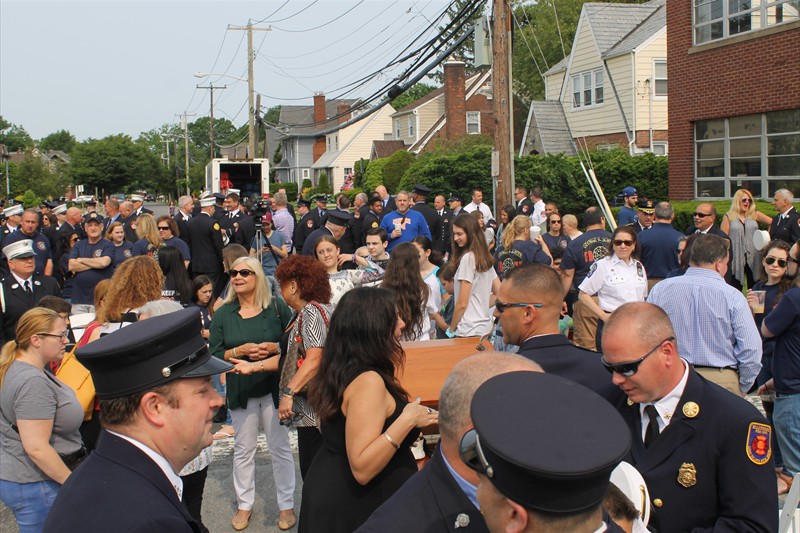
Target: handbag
(78, 378)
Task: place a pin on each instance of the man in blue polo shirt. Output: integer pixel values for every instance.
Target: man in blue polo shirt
(90, 260)
(659, 245)
(403, 224)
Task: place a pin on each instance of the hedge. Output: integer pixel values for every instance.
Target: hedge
(291, 189)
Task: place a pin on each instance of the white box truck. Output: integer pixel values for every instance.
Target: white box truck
(250, 176)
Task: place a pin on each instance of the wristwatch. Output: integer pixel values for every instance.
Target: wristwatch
(288, 392)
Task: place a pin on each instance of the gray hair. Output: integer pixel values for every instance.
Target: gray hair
(183, 200)
(159, 307)
(279, 198)
(362, 196)
(786, 194)
(664, 211)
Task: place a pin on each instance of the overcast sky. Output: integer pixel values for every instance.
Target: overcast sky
(104, 67)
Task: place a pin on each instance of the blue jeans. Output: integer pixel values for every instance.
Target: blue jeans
(786, 416)
(30, 502)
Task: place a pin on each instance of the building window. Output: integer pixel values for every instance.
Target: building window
(398, 133)
(758, 152)
(411, 121)
(660, 78)
(659, 148)
(305, 173)
(347, 170)
(587, 89)
(473, 122)
(718, 19)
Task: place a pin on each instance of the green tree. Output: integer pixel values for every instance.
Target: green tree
(32, 173)
(200, 134)
(359, 170)
(116, 164)
(29, 200)
(324, 186)
(60, 140)
(414, 93)
(396, 166)
(13, 136)
(273, 114)
(461, 15)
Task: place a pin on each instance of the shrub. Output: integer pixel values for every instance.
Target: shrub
(374, 174)
(447, 170)
(396, 166)
(29, 199)
(291, 189)
(359, 170)
(324, 185)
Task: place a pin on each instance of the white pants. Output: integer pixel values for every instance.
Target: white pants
(245, 423)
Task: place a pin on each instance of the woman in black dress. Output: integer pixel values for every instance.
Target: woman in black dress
(366, 421)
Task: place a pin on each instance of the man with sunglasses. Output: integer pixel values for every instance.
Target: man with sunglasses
(716, 330)
(705, 454)
(443, 494)
(528, 308)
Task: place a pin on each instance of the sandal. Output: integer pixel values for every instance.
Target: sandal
(241, 519)
(286, 520)
(223, 433)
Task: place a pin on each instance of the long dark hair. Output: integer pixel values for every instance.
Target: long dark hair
(198, 283)
(170, 260)
(360, 338)
(411, 292)
(786, 282)
(436, 256)
(476, 243)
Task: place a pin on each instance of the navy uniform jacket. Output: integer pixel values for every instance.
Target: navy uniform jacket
(525, 207)
(432, 218)
(246, 231)
(351, 238)
(786, 229)
(205, 244)
(728, 490)
(558, 356)
(302, 230)
(129, 224)
(182, 220)
(442, 242)
(14, 302)
(311, 241)
(118, 488)
(316, 217)
(429, 502)
(41, 245)
(659, 248)
(371, 220)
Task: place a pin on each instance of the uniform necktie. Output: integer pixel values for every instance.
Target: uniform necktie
(652, 430)
(27, 287)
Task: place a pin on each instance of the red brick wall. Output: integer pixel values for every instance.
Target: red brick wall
(454, 105)
(757, 75)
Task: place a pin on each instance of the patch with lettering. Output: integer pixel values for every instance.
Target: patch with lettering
(97, 253)
(759, 443)
(40, 245)
(127, 253)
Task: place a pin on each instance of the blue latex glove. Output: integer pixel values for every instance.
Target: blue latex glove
(449, 334)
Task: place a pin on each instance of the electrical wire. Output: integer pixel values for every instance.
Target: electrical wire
(273, 13)
(321, 25)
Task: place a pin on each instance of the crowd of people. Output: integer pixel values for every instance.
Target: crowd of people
(305, 313)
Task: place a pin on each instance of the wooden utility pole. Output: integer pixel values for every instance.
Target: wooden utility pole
(503, 171)
(211, 88)
(185, 119)
(251, 129)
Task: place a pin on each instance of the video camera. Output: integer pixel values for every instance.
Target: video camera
(261, 208)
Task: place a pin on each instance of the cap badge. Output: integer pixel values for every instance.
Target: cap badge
(166, 371)
(462, 520)
(687, 475)
(691, 409)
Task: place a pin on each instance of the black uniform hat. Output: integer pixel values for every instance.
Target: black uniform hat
(648, 206)
(339, 218)
(149, 353)
(422, 190)
(92, 202)
(455, 198)
(545, 442)
(321, 198)
(94, 216)
(219, 197)
(48, 204)
(303, 203)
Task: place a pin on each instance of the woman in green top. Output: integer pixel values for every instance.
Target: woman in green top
(249, 326)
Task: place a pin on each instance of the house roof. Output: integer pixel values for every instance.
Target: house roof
(611, 24)
(558, 67)
(326, 160)
(551, 122)
(643, 31)
(386, 148)
(468, 82)
(300, 118)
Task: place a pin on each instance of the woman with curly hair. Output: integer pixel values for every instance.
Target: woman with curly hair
(367, 422)
(122, 249)
(149, 240)
(135, 282)
(410, 291)
(327, 252)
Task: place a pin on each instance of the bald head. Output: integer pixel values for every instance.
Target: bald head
(74, 216)
(126, 208)
(641, 321)
(530, 284)
(464, 380)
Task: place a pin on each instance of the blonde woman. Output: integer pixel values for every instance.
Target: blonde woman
(740, 223)
(39, 420)
(149, 239)
(570, 223)
(518, 249)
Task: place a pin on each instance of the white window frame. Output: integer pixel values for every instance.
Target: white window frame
(398, 129)
(474, 119)
(591, 84)
(412, 122)
(656, 79)
(761, 17)
(305, 174)
(661, 148)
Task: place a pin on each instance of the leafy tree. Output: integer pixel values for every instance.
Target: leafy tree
(414, 93)
(60, 140)
(13, 136)
(32, 173)
(273, 114)
(324, 186)
(116, 163)
(463, 17)
(200, 134)
(374, 174)
(29, 199)
(396, 166)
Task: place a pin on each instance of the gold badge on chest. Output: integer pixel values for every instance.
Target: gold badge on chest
(687, 475)
(691, 409)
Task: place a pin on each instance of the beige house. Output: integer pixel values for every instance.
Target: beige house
(347, 145)
(612, 88)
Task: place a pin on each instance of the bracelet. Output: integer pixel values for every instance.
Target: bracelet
(390, 441)
(262, 365)
(234, 351)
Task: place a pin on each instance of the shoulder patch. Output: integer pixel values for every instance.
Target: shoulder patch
(97, 253)
(525, 209)
(759, 443)
(374, 224)
(310, 223)
(216, 226)
(592, 270)
(126, 253)
(40, 245)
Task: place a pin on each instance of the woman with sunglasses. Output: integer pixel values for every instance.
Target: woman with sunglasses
(327, 252)
(39, 420)
(555, 238)
(247, 330)
(170, 234)
(616, 279)
(122, 249)
(740, 223)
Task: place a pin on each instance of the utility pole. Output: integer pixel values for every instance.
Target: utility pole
(211, 88)
(166, 141)
(185, 119)
(251, 130)
(501, 86)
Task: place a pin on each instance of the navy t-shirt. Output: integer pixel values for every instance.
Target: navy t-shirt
(583, 251)
(83, 283)
(122, 252)
(181, 245)
(784, 323)
(520, 253)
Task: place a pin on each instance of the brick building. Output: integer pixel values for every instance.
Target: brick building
(734, 85)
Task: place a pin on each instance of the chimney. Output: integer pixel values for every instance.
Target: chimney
(455, 106)
(319, 124)
(344, 111)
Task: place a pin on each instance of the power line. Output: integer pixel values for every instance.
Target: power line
(321, 25)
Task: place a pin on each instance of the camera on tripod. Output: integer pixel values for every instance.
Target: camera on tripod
(261, 208)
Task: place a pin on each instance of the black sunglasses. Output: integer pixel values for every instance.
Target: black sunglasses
(163, 228)
(620, 242)
(746, 200)
(502, 306)
(471, 453)
(701, 215)
(245, 273)
(629, 369)
(771, 260)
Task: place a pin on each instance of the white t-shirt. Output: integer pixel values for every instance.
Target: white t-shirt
(538, 216)
(615, 283)
(433, 305)
(477, 320)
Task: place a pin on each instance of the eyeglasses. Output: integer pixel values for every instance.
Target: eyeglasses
(746, 200)
(626, 242)
(472, 454)
(555, 222)
(502, 306)
(701, 215)
(245, 273)
(163, 228)
(771, 260)
(63, 335)
(629, 369)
